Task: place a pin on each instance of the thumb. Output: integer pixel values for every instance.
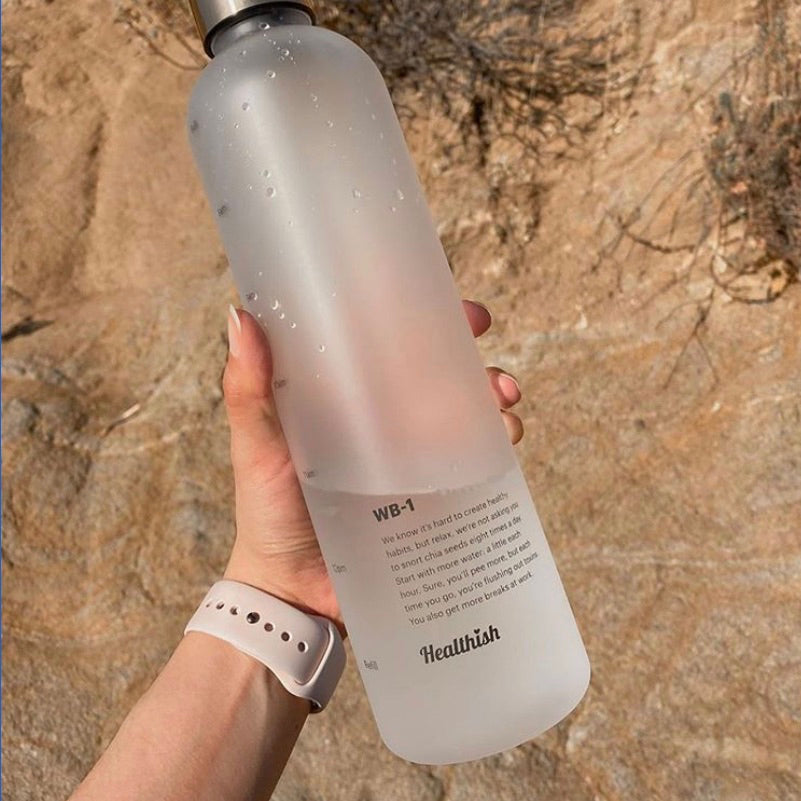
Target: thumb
(257, 441)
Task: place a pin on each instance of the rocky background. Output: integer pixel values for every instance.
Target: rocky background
(622, 188)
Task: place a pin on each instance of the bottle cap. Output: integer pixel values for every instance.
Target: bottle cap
(212, 15)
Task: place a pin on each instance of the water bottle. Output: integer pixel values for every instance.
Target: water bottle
(464, 636)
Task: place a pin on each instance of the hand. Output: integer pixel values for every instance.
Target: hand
(276, 549)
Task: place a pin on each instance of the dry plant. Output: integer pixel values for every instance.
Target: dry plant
(743, 183)
(497, 68)
(166, 29)
(500, 79)
(748, 182)
(522, 72)
(754, 161)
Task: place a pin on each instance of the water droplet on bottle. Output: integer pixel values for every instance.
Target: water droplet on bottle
(276, 304)
(252, 296)
(220, 117)
(399, 194)
(250, 187)
(330, 123)
(270, 191)
(258, 314)
(281, 316)
(393, 208)
(264, 25)
(381, 135)
(245, 106)
(333, 294)
(236, 125)
(372, 116)
(366, 101)
(194, 125)
(293, 324)
(243, 52)
(313, 98)
(357, 193)
(260, 273)
(271, 73)
(285, 52)
(316, 375)
(321, 348)
(265, 173)
(222, 210)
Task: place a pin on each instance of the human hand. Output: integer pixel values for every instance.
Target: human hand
(276, 549)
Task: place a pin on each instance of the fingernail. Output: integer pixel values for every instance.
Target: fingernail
(483, 306)
(511, 387)
(234, 331)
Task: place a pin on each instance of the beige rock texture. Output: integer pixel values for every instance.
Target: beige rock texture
(642, 271)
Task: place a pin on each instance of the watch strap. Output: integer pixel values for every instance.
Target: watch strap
(305, 652)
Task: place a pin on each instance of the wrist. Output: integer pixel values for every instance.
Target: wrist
(296, 586)
(243, 673)
(245, 570)
(303, 651)
(248, 681)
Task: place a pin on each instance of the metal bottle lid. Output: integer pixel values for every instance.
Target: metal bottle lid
(211, 15)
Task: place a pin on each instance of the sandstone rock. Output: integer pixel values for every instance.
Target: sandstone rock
(664, 455)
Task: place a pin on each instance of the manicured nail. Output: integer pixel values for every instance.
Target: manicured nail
(483, 306)
(510, 386)
(234, 331)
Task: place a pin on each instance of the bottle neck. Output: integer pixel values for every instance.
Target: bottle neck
(271, 17)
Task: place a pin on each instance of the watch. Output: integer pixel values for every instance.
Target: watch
(305, 652)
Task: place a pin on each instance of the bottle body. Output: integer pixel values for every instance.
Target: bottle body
(464, 637)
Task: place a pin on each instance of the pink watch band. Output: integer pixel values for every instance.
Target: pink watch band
(305, 652)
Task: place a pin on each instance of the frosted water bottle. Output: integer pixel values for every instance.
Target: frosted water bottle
(464, 637)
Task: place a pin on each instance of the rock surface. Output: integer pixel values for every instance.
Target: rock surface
(663, 419)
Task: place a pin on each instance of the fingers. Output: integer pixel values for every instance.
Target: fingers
(507, 393)
(256, 435)
(478, 316)
(504, 387)
(514, 426)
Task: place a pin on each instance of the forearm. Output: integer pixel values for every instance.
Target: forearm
(215, 724)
